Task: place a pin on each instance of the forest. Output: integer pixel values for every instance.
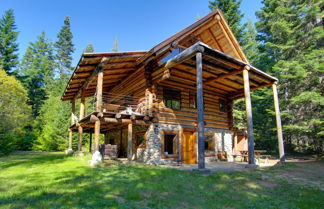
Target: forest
(286, 41)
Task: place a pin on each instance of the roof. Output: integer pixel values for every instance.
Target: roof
(118, 66)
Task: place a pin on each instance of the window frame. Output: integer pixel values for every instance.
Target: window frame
(214, 145)
(171, 97)
(163, 133)
(143, 133)
(191, 93)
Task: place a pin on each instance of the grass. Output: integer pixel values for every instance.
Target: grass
(53, 180)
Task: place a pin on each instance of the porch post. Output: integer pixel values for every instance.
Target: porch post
(90, 142)
(97, 157)
(200, 107)
(248, 108)
(80, 132)
(81, 116)
(130, 142)
(99, 90)
(278, 120)
(70, 150)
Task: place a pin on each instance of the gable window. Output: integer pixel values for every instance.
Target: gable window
(222, 105)
(209, 145)
(172, 98)
(192, 99)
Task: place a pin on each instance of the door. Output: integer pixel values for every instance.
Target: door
(189, 148)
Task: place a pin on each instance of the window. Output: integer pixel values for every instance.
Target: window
(169, 144)
(209, 145)
(192, 100)
(172, 98)
(222, 105)
(140, 140)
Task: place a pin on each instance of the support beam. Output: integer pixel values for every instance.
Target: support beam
(99, 91)
(248, 107)
(90, 143)
(96, 136)
(130, 142)
(80, 132)
(70, 150)
(279, 127)
(82, 104)
(200, 107)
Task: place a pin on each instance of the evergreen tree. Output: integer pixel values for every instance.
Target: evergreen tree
(115, 49)
(14, 113)
(37, 71)
(291, 33)
(89, 48)
(8, 45)
(64, 48)
(232, 13)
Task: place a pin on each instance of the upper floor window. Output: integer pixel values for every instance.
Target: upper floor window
(172, 98)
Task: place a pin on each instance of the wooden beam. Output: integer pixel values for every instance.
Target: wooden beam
(248, 108)
(93, 75)
(80, 132)
(130, 142)
(226, 75)
(124, 121)
(82, 104)
(99, 91)
(186, 54)
(200, 108)
(96, 136)
(279, 127)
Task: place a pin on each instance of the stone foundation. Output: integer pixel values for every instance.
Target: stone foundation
(152, 153)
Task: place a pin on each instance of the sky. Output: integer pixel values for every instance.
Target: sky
(137, 25)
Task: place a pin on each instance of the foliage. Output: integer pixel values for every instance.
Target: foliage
(115, 49)
(291, 33)
(37, 71)
(64, 48)
(8, 45)
(55, 178)
(89, 48)
(14, 112)
(232, 13)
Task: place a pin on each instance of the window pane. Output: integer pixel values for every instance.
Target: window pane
(209, 145)
(222, 105)
(176, 104)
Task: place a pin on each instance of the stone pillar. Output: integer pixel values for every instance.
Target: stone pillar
(248, 107)
(279, 127)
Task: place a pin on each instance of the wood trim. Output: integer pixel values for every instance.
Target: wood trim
(162, 134)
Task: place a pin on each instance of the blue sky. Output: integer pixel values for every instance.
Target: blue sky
(137, 25)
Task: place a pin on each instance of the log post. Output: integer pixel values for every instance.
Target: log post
(80, 132)
(200, 105)
(90, 143)
(235, 142)
(96, 136)
(70, 150)
(82, 104)
(278, 120)
(99, 90)
(248, 107)
(130, 142)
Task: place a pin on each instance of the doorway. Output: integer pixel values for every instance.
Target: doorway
(189, 148)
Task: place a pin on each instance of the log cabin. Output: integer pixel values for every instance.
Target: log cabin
(175, 101)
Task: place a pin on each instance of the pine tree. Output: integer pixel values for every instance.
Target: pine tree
(89, 48)
(115, 49)
(8, 45)
(64, 48)
(37, 71)
(232, 13)
(291, 33)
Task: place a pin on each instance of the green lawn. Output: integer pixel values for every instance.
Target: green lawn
(57, 181)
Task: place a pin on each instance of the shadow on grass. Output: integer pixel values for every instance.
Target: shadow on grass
(139, 186)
